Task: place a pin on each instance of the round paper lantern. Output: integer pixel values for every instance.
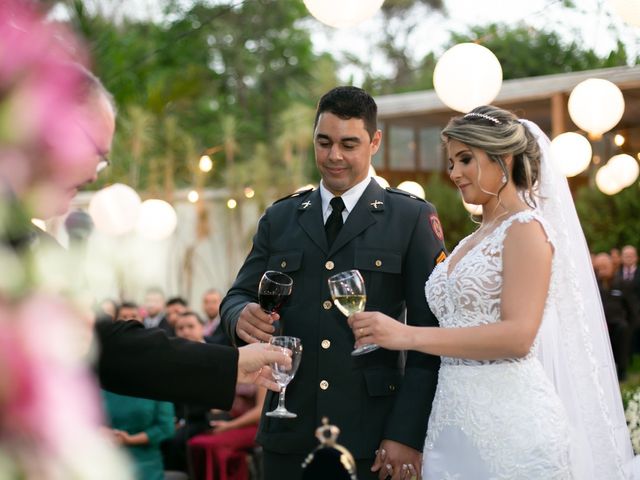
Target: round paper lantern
(606, 181)
(571, 152)
(413, 188)
(629, 11)
(624, 169)
(343, 13)
(381, 181)
(596, 106)
(466, 76)
(115, 209)
(157, 219)
(472, 209)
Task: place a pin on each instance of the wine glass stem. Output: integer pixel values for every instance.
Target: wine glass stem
(281, 399)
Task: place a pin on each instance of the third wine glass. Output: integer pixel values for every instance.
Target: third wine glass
(283, 375)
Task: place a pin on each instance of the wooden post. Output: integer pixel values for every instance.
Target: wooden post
(558, 114)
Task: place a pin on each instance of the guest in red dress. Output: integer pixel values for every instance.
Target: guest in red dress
(221, 454)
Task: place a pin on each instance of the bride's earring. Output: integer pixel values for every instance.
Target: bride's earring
(504, 178)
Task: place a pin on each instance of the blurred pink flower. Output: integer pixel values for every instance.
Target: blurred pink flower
(52, 396)
(40, 89)
(50, 407)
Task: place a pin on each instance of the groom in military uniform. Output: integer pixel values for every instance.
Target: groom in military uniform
(381, 400)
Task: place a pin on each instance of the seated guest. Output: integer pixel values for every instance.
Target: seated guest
(212, 331)
(222, 453)
(190, 419)
(154, 307)
(189, 325)
(128, 311)
(175, 306)
(139, 425)
(108, 308)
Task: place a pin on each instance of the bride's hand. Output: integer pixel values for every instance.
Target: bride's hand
(378, 328)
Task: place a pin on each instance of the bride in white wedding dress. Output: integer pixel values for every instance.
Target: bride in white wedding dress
(527, 387)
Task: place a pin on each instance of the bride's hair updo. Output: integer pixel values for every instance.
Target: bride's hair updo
(499, 132)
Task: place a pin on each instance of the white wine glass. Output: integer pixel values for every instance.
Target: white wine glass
(349, 295)
(283, 375)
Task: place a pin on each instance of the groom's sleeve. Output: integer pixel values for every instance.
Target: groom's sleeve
(408, 420)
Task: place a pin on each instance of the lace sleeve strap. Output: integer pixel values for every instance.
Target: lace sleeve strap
(526, 216)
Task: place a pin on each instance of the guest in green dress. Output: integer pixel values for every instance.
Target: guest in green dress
(139, 425)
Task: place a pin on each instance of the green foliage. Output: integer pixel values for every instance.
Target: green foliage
(211, 75)
(523, 52)
(609, 221)
(526, 52)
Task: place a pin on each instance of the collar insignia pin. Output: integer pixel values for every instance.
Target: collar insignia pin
(306, 204)
(376, 203)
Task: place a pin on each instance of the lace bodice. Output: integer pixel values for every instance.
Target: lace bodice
(469, 293)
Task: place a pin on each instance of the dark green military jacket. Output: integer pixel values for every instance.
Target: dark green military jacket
(394, 239)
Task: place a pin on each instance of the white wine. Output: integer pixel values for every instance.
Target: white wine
(349, 304)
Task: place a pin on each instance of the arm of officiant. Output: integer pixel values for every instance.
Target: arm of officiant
(142, 362)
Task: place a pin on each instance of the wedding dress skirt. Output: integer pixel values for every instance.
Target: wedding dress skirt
(496, 421)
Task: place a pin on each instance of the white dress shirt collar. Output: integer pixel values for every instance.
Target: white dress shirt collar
(350, 198)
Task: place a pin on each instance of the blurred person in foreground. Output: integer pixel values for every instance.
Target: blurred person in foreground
(72, 123)
(50, 413)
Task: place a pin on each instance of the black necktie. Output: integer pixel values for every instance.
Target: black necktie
(334, 222)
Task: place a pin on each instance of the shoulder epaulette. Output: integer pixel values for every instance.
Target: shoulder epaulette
(298, 194)
(405, 193)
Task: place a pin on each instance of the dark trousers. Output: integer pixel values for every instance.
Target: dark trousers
(278, 466)
(620, 336)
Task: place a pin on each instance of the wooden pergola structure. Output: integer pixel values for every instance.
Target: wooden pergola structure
(411, 121)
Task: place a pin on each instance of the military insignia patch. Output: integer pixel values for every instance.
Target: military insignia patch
(436, 226)
(440, 257)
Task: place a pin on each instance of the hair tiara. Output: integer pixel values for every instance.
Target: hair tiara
(482, 115)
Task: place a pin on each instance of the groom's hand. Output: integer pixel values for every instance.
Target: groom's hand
(254, 325)
(397, 461)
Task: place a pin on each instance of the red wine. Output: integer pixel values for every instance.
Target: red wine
(272, 303)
